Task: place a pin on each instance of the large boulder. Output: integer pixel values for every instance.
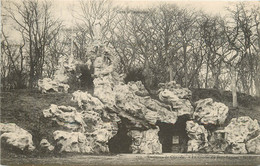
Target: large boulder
(209, 112)
(13, 135)
(47, 84)
(145, 141)
(253, 145)
(67, 117)
(239, 131)
(197, 134)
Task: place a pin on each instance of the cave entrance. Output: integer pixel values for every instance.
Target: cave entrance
(173, 137)
(121, 142)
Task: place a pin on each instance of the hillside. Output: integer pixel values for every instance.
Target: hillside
(24, 108)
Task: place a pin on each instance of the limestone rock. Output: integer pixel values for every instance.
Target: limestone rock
(103, 130)
(253, 145)
(181, 106)
(145, 141)
(44, 144)
(197, 135)
(48, 84)
(182, 93)
(209, 112)
(241, 129)
(99, 129)
(65, 116)
(72, 142)
(86, 100)
(104, 90)
(143, 107)
(13, 135)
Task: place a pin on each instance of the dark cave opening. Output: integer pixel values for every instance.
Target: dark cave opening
(121, 142)
(173, 137)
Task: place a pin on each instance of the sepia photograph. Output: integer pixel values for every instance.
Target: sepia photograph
(130, 82)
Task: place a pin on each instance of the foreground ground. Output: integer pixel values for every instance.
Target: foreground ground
(140, 159)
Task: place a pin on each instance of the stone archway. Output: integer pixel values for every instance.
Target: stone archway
(121, 142)
(173, 137)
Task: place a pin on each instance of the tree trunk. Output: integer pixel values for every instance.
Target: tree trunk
(185, 66)
(171, 72)
(257, 84)
(233, 86)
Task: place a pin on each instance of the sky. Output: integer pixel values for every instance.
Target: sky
(63, 8)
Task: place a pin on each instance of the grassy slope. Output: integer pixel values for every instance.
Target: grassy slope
(24, 108)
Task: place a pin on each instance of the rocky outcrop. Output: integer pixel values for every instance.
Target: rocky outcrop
(138, 88)
(209, 112)
(145, 108)
(145, 141)
(94, 139)
(67, 117)
(179, 105)
(218, 142)
(72, 142)
(239, 131)
(253, 145)
(94, 126)
(87, 102)
(104, 80)
(197, 134)
(13, 135)
(60, 78)
(48, 84)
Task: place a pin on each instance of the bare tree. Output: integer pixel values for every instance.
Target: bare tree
(38, 28)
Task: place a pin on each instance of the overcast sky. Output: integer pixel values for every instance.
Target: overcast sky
(62, 8)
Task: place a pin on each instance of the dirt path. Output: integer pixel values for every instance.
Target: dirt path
(140, 159)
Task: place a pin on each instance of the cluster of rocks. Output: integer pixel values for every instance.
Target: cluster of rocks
(59, 82)
(89, 127)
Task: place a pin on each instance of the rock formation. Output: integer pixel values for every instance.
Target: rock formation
(209, 112)
(48, 84)
(239, 131)
(89, 127)
(197, 134)
(59, 83)
(253, 145)
(218, 142)
(13, 135)
(68, 117)
(72, 142)
(145, 141)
